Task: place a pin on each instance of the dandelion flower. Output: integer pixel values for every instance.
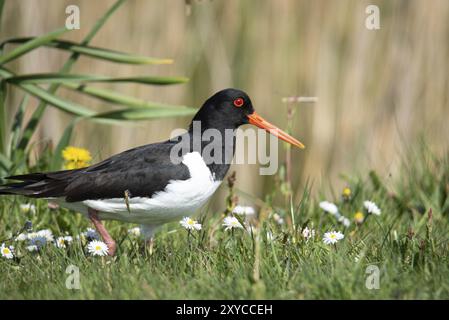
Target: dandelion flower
(7, 252)
(329, 207)
(134, 231)
(28, 208)
(190, 224)
(244, 211)
(97, 248)
(347, 193)
(308, 233)
(63, 242)
(372, 208)
(231, 223)
(359, 217)
(332, 237)
(76, 158)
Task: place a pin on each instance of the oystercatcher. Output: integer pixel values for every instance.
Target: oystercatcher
(155, 183)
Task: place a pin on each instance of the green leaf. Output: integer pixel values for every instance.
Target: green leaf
(57, 160)
(115, 97)
(95, 52)
(43, 78)
(145, 114)
(39, 112)
(17, 124)
(2, 116)
(31, 45)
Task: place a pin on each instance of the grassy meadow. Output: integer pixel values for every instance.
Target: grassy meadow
(408, 243)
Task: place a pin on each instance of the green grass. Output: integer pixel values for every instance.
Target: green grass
(410, 250)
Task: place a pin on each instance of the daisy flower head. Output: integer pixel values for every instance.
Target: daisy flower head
(278, 219)
(28, 208)
(332, 237)
(7, 252)
(359, 217)
(190, 224)
(97, 248)
(90, 234)
(231, 223)
(344, 221)
(63, 242)
(308, 233)
(36, 241)
(372, 208)
(329, 207)
(47, 234)
(244, 211)
(21, 237)
(134, 231)
(76, 158)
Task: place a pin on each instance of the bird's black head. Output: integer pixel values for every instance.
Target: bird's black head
(226, 109)
(231, 108)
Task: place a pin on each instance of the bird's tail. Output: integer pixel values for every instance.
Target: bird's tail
(38, 185)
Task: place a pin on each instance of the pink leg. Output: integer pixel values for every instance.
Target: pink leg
(93, 216)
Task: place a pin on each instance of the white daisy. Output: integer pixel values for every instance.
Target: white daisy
(371, 207)
(28, 208)
(63, 242)
(190, 224)
(278, 219)
(32, 248)
(231, 223)
(308, 233)
(134, 231)
(332, 237)
(329, 207)
(21, 237)
(244, 211)
(91, 234)
(344, 221)
(47, 234)
(7, 252)
(97, 248)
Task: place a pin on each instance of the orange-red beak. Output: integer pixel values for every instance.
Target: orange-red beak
(260, 122)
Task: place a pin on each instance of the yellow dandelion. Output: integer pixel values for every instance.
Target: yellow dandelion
(76, 158)
(347, 193)
(359, 217)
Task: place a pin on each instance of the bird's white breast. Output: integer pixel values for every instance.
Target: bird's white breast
(179, 198)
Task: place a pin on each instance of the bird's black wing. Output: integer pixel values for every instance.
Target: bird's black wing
(141, 171)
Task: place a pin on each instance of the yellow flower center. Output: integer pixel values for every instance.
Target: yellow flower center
(346, 192)
(190, 222)
(97, 248)
(6, 251)
(333, 236)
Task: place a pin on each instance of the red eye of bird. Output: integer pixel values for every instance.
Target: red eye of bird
(238, 102)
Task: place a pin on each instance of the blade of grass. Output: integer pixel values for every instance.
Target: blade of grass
(95, 52)
(31, 45)
(17, 124)
(38, 113)
(2, 116)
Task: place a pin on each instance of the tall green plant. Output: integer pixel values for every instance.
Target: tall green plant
(15, 142)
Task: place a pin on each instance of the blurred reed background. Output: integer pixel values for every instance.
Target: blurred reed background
(379, 92)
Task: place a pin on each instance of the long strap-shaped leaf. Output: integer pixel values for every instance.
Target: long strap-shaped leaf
(31, 45)
(38, 113)
(145, 114)
(64, 105)
(116, 97)
(95, 52)
(43, 78)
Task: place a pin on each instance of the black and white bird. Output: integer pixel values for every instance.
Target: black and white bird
(155, 183)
